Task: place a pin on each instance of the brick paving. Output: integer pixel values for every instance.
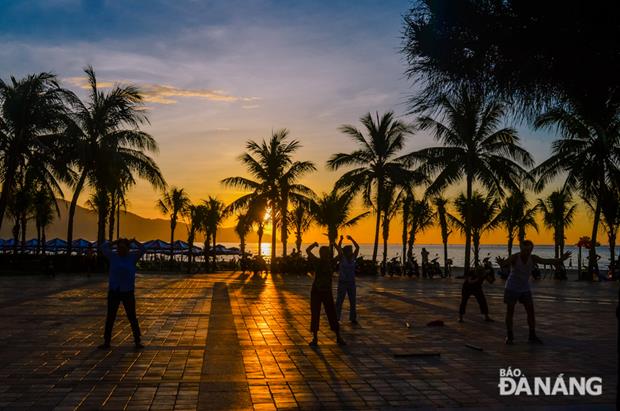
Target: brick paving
(238, 341)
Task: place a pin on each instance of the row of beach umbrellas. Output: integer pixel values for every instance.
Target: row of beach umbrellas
(152, 246)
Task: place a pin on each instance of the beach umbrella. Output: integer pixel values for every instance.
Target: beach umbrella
(180, 246)
(156, 246)
(222, 250)
(32, 244)
(10, 243)
(56, 244)
(81, 244)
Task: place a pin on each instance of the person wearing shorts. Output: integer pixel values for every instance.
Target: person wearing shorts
(518, 290)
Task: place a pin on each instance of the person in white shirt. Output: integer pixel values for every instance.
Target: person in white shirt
(518, 286)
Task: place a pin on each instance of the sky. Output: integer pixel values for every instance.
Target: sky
(218, 73)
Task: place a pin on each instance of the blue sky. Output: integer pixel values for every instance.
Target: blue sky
(217, 73)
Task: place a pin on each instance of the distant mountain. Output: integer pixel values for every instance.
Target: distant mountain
(132, 225)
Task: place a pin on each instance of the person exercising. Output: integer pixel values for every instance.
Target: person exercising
(518, 286)
(346, 277)
(321, 294)
(121, 286)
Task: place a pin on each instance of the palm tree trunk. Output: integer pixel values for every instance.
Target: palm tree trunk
(404, 235)
(207, 250)
(386, 234)
(445, 257)
(612, 249)
(376, 244)
(259, 232)
(118, 220)
(7, 186)
(476, 241)
(38, 239)
(411, 242)
(15, 232)
(298, 241)
(72, 207)
(378, 223)
(190, 254)
(284, 227)
(592, 255)
(274, 232)
(510, 243)
(111, 217)
(468, 225)
(562, 241)
(23, 224)
(173, 225)
(43, 238)
(214, 253)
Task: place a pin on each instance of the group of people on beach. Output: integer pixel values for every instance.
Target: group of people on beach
(122, 274)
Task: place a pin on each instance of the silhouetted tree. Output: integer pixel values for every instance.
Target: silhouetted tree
(376, 161)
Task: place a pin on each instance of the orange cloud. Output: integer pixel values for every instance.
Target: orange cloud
(166, 94)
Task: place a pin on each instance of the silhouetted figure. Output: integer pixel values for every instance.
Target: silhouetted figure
(321, 293)
(518, 286)
(346, 278)
(474, 279)
(121, 287)
(425, 270)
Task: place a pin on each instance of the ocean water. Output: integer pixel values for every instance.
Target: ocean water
(456, 252)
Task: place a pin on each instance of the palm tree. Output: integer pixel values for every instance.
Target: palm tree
(45, 210)
(20, 209)
(333, 211)
(99, 202)
(478, 213)
(376, 161)
(516, 216)
(391, 205)
(301, 219)
(276, 174)
(105, 145)
(214, 217)
(610, 212)
(610, 217)
(196, 215)
(407, 199)
(32, 112)
(441, 215)
(422, 217)
(243, 228)
(558, 213)
(587, 154)
(174, 203)
(474, 147)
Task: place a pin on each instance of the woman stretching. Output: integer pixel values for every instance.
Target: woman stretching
(321, 293)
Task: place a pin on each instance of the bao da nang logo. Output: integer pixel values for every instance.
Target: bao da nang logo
(513, 382)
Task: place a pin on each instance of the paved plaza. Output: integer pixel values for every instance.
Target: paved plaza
(238, 341)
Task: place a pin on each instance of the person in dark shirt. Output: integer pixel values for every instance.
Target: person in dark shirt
(321, 293)
(472, 285)
(121, 287)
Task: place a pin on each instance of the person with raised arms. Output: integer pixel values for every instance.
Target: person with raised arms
(121, 286)
(321, 293)
(518, 286)
(346, 277)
